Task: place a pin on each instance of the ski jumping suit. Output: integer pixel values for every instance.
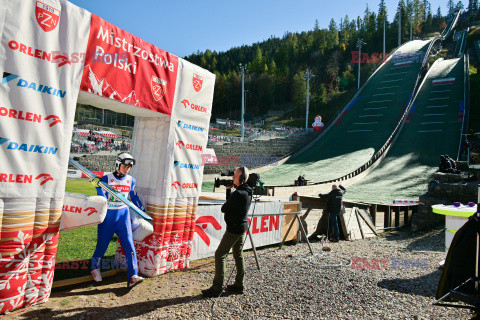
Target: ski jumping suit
(117, 221)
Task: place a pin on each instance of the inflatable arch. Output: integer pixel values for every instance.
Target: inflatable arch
(52, 54)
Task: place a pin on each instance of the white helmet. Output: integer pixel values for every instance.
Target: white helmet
(124, 158)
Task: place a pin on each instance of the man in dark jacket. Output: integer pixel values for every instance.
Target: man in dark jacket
(235, 210)
(334, 206)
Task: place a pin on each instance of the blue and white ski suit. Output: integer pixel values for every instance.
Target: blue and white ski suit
(117, 221)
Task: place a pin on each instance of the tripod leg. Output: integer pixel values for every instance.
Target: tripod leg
(254, 250)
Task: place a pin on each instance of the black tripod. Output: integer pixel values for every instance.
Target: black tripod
(468, 291)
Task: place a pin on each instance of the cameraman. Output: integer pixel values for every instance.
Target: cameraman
(334, 207)
(235, 210)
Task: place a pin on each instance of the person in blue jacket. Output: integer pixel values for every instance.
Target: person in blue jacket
(117, 219)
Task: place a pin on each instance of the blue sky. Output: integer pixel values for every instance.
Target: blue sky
(182, 27)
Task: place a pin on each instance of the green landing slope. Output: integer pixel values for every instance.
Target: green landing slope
(363, 127)
(432, 128)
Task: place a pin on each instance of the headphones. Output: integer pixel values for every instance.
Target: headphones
(244, 176)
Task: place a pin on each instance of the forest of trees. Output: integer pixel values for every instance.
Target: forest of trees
(276, 67)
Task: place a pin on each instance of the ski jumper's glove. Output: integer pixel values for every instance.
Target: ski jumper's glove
(95, 182)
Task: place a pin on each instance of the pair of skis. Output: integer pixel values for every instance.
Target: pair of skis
(111, 191)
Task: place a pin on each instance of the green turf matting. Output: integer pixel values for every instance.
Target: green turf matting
(364, 126)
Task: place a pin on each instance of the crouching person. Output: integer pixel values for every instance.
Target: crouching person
(235, 209)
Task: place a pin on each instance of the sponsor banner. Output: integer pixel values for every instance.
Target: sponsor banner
(40, 79)
(80, 210)
(443, 81)
(125, 68)
(77, 174)
(189, 130)
(210, 227)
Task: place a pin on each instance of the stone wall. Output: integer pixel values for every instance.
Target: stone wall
(93, 162)
(252, 154)
(257, 153)
(445, 188)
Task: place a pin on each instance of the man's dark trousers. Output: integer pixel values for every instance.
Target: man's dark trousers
(229, 241)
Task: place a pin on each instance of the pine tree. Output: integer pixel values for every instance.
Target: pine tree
(450, 7)
(332, 36)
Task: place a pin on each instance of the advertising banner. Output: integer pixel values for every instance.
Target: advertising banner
(189, 130)
(41, 45)
(210, 227)
(39, 57)
(125, 68)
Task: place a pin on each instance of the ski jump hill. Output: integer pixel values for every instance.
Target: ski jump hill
(363, 126)
(386, 142)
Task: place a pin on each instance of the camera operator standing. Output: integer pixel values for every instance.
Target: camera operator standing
(235, 209)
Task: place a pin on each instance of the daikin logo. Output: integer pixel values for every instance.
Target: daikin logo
(183, 165)
(184, 125)
(41, 88)
(34, 148)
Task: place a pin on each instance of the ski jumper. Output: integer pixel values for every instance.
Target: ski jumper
(117, 221)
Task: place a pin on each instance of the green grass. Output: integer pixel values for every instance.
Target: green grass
(80, 186)
(80, 243)
(207, 186)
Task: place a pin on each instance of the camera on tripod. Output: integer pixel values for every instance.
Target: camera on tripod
(253, 180)
(225, 182)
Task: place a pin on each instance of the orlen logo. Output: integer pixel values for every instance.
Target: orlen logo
(41, 88)
(194, 106)
(52, 57)
(44, 178)
(188, 146)
(47, 16)
(25, 178)
(121, 188)
(187, 185)
(17, 146)
(197, 82)
(29, 116)
(89, 211)
(202, 223)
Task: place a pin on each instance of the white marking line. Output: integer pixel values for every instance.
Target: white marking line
(387, 87)
(377, 101)
(365, 122)
(396, 67)
(446, 105)
(440, 91)
(375, 108)
(430, 130)
(434, 114)
(360, 131)
(432, 122)
(371, 115)
(385, 81)
(392, 74)
(439, 98)
(382, 94)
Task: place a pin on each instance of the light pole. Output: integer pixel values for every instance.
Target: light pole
(307, 76)
(243, 69)
(399, 26)
(359, 45)
(383, 57)
(411, 35)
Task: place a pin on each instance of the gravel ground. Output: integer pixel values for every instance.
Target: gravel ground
(291, 285)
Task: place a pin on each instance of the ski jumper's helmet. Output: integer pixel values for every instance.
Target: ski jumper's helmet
(124, 158)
